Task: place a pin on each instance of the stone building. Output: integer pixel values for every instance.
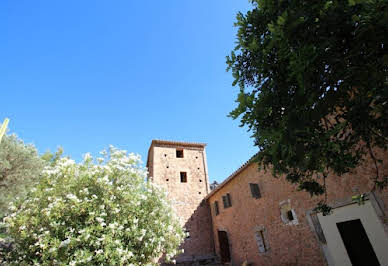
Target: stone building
(261, 220)
(181, 169)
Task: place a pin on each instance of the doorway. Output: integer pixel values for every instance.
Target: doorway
(357, 244)
(351, 228)
(224, 246)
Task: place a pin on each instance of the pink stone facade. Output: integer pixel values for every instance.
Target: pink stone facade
(286, 243)
(187, 197)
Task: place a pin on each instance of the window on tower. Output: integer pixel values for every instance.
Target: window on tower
(179, 153)
(183, 177)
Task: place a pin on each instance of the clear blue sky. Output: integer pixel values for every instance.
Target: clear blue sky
(86, 74)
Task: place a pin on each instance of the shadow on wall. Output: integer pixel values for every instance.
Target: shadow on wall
(198, 246)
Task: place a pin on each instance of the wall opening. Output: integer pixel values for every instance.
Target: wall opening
(261, 241)
(287, 214)
(224, 246)
(226, 199)
(255, 190)
(216, 209)
(179, 153)
(183, 177)
(357, 244)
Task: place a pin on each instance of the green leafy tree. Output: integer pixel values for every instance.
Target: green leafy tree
(52, 158)
(20, 167)
(313, 85)
(93, 213)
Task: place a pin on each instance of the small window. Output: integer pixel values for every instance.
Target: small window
(255, 191)
(287, 214)
(183, 177)
(290, 216)
(226, 199)
(261, 241)
(216, 210)
(187, 233)
(179, 153)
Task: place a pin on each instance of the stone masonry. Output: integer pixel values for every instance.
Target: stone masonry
(287, 243)
(180, 168)
(265, 220)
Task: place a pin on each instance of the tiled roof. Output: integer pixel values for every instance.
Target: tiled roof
(233, 175)
(177, 143)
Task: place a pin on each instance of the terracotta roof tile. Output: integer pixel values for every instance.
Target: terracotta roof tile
(233, 175)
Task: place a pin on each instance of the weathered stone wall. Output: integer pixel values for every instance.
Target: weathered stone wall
(187, 197)
(289, 244)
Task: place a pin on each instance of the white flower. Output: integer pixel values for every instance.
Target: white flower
(87, 156)
(71, 196)
(64, 243)
(99, 251)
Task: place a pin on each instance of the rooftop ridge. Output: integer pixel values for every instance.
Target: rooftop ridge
(233, 175)
(182, 143)
(173, 143)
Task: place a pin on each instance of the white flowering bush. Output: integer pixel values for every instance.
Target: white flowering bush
(95, 213)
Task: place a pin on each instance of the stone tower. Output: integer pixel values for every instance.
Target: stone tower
(181, 169)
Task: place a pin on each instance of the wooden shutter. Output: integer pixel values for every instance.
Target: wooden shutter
(224, 200)
(229, 200)
(255, 190)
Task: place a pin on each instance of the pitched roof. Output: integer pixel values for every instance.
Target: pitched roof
(232, 176)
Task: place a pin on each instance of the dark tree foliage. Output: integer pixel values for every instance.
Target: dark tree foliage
(313, 85)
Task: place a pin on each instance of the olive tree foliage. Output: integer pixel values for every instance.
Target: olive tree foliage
(52, 158)
(20, 167)
(97, 212)
(313, 86)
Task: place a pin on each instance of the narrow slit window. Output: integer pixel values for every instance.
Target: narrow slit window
(179, 153)
(183, 177)
(229, 200)
(261, 241)
(216, 210)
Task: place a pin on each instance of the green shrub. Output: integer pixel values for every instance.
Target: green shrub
(20, 167)
(101, 213)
